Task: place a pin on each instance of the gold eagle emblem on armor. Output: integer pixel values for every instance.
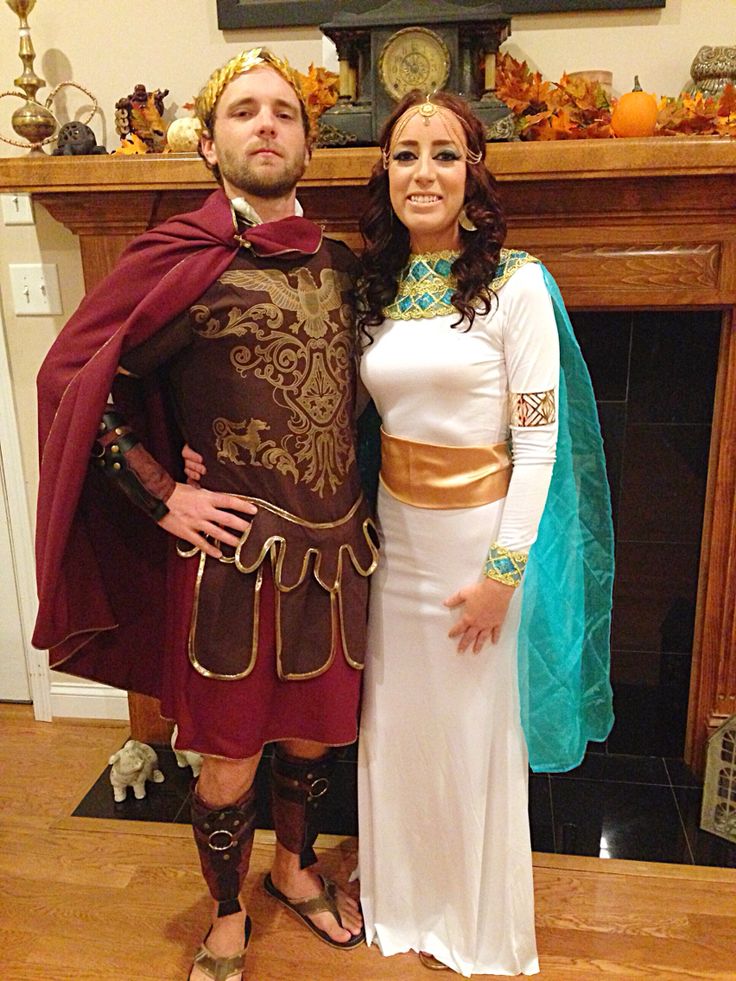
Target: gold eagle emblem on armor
(311, 303)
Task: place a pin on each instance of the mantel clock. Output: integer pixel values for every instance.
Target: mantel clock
(426, 45)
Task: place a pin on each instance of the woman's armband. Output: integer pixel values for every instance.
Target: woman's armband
(119, 452)
(504, 565)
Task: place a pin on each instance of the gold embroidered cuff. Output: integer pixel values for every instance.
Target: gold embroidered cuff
(505, 566)
(532, 408)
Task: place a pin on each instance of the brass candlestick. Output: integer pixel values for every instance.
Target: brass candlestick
(34, 120)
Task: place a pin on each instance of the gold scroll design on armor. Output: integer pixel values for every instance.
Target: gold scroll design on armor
(274, 549)
(529, 409)
(310, 376)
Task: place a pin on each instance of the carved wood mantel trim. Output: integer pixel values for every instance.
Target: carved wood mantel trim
(645, 223)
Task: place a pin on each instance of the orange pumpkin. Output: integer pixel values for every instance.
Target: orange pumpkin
(635, 113)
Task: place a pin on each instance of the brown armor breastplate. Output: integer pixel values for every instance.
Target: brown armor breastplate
(265, 391)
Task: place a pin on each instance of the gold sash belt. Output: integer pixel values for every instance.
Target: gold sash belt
(440, 477)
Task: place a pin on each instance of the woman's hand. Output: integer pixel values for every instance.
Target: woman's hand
(194, 466)
(485, 606)
(195, 512)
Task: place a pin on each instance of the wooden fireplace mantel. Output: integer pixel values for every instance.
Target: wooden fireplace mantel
(632, 224)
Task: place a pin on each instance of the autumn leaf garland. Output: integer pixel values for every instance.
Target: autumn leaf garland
(576, 109)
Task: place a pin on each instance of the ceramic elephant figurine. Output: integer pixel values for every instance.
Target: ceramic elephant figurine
(131, 766)
(186, 757)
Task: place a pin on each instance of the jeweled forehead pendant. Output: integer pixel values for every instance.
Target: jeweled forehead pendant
(427, 110)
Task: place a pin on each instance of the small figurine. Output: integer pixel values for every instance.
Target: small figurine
(186, 757)
(131, 766)
(140, 113)
(183, 135)
(76, 139)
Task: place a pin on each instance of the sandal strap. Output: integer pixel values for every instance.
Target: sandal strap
(219, 968)
(324, 903)
(222, 968)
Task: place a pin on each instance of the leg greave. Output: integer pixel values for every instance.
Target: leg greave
(224, 838)
(298, 791)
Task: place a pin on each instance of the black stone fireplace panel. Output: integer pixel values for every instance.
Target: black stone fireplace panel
(654, 374)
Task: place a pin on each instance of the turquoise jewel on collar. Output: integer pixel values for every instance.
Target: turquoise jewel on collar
(425, 288)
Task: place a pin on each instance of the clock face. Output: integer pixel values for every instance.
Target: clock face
(414, 58)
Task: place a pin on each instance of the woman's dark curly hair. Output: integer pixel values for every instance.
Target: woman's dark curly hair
(386, 239)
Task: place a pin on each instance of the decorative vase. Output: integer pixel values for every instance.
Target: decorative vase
(712, 70)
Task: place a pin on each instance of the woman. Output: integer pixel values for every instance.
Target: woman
(462, 351)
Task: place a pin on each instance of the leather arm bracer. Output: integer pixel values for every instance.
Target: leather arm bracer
(119, 452)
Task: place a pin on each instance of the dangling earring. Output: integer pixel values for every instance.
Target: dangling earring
(465, 222)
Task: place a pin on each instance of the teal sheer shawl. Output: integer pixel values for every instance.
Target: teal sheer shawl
(564, 635)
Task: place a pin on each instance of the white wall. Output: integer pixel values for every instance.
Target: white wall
(110, 46)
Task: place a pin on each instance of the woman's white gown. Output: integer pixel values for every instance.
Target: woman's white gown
(445, 854)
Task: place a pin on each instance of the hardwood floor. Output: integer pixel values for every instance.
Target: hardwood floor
(94, 900)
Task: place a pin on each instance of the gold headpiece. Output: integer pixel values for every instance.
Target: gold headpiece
(426, 110)
(206, 101)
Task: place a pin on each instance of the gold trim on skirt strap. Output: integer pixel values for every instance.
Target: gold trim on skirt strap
(273, 550)
(443, 477)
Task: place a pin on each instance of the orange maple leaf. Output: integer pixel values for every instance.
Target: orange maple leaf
(320, 88)
(518, 87)
(727, 103)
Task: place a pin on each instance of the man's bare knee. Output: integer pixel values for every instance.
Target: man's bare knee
(305, 749)
(224, 781)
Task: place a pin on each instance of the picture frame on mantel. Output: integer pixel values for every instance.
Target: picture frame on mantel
(236, 14)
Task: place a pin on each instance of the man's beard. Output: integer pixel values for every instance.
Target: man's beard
(266, 183)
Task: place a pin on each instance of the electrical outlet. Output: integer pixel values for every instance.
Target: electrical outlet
(35, 289)
(17, 209)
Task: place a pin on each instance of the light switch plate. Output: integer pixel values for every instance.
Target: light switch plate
(17, 209)
(35, 289)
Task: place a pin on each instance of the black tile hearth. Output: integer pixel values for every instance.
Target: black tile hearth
(618, 806)
(619, 769)
(169, 801)
(680, 774)
(618, 820)
(164, 802)
(707, 848)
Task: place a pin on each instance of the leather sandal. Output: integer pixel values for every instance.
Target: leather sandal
(324, 903)
(431, 962)
(221, 968)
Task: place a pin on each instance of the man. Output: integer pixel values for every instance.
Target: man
(230, 328)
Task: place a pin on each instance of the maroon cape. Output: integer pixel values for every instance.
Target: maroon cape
(101, 564)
